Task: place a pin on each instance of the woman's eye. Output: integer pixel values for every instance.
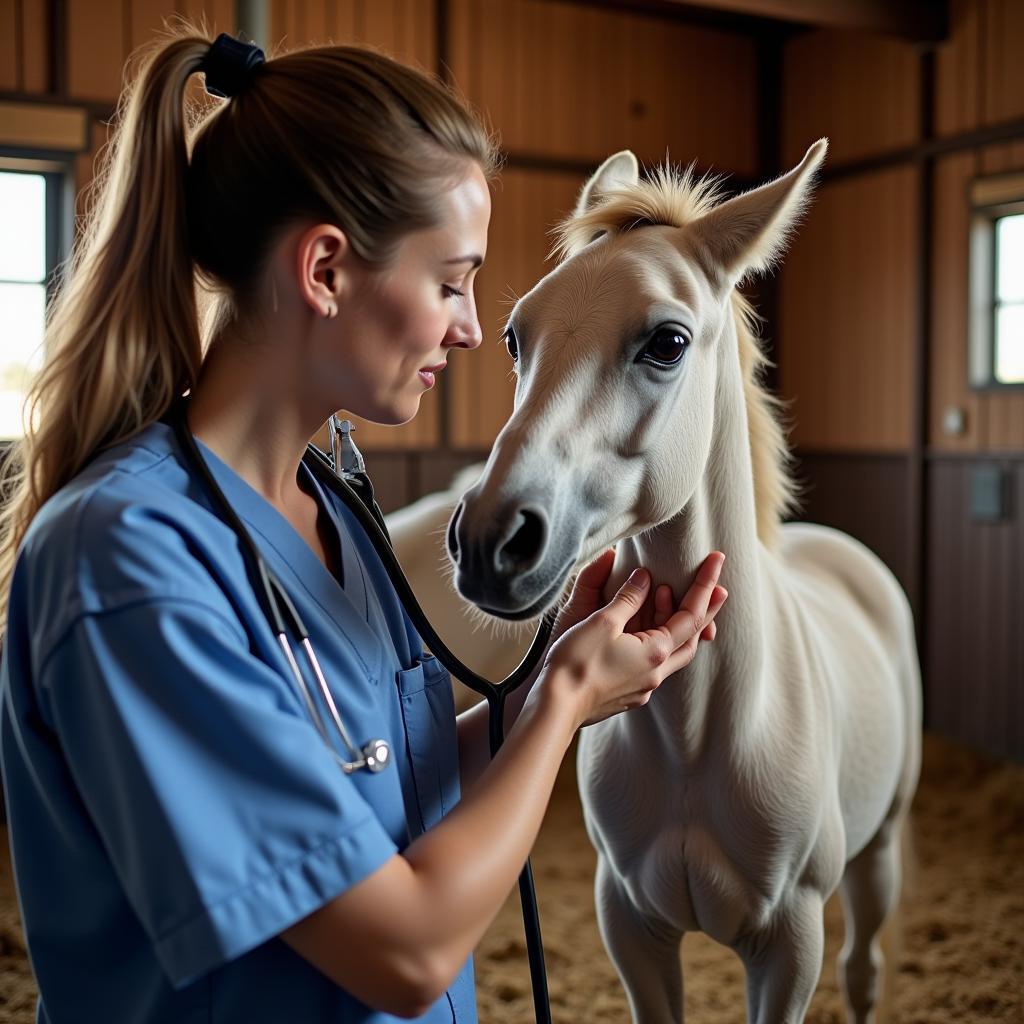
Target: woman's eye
(665, 347)
(511, 344)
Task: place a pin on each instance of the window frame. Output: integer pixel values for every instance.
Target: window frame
(58, 171)
(990, 198)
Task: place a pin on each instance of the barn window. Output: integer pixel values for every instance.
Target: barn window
(996, 328)
(32, 212)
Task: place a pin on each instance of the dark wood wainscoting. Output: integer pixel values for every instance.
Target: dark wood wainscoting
(974, 643)
(971, 609)
(864, 495)
(399, 478)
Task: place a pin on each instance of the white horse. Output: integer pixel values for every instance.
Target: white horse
(782, 762)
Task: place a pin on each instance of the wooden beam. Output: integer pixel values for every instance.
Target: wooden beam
(922, 21)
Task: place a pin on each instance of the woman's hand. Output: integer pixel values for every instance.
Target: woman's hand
(612, 658)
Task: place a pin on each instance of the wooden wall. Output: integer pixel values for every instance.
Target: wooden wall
(869, 319)
(562, 84)
(872, 338)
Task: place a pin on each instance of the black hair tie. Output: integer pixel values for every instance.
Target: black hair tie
(229, 64)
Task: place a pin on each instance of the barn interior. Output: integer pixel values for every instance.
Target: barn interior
(894, 325)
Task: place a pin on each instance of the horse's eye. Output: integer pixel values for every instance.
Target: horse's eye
(511, 344)
(665, 347)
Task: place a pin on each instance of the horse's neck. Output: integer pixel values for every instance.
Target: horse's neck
(722, 691)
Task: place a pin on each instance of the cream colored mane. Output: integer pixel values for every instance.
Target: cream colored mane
(677, 199)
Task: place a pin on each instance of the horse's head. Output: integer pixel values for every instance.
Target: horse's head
(619, 354)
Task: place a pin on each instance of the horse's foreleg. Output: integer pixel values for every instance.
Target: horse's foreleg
(784, 962)
(870, 888)
(645, 955)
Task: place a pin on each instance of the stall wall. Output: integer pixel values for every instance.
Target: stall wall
(872, 340)
(563, 86)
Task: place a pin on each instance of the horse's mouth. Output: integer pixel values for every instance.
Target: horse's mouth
(535, 608)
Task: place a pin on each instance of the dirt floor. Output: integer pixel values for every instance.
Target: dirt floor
(962, 945)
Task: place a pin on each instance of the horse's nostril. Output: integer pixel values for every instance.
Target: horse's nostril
(522, 550)
(453, 533)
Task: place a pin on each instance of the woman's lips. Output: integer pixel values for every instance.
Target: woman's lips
(428, 374)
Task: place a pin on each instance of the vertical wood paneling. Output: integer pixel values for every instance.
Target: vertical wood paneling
(578, 84)
(527, 204)
(97, 48)
(957, 68)
(35, 28)
(973, 685)
(861, 91)
(421, 432)
(948, 343)
(145, 18)
(1002, 66)
(217, 15)
(980, 76)
(847, 315)
(847, 492)
(404, 29)
(9, 43)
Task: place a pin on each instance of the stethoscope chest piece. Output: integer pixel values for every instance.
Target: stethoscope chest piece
(376, 757)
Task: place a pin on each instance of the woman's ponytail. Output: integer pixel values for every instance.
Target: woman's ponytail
(123, 338)
(340, 134)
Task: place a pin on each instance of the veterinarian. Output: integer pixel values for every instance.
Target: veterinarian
(187, 847)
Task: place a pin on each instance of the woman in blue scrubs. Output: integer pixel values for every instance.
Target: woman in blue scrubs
(185, 846)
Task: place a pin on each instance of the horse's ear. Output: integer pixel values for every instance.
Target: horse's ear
(748, 232)
(617, 171)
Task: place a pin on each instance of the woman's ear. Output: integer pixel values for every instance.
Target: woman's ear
(322, 257)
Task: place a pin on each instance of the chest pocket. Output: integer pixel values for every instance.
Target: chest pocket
(428, 715)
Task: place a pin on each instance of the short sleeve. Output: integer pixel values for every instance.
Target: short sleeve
(224, 815)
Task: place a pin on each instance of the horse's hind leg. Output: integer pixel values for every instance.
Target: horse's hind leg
(869, 889)
(646, 956)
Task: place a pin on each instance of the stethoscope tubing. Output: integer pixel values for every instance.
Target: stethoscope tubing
(495, 694)
(270, 592)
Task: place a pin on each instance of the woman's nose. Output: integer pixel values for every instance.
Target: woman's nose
(464, 333)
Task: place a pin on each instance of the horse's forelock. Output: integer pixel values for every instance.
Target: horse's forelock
(669, 197)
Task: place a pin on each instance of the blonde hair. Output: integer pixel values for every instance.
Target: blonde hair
(340, 134)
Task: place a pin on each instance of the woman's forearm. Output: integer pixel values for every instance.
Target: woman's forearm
(421, 914)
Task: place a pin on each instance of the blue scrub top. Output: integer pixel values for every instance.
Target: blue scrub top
(172, 807)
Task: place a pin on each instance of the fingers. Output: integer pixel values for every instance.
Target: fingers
(592, 577)
(664, 605)
(682, 656)
(692, 615)
(659, 597)
(586, 595)
(629, 599)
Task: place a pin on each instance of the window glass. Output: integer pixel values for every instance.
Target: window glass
(22, 290)
(23, 215)
(1009, 362)
(1010, 258)
(1009, 325)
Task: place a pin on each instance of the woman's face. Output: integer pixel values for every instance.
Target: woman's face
(397, 326)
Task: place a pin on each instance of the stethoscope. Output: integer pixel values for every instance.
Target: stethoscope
(343, 473)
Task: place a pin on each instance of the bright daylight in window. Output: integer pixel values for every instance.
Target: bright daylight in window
(22, 291)
(1009, 325)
